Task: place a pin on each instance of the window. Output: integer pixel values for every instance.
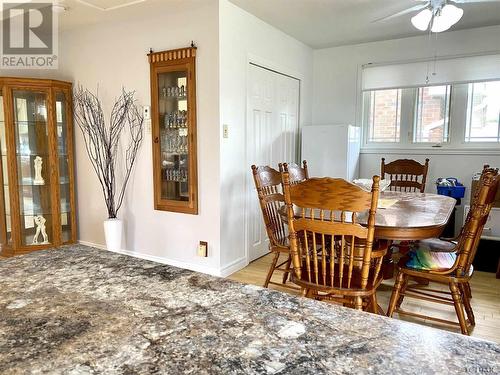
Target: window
(409, 115)
(432, 114)
(384, 115)
(457, 107)
(483, 112)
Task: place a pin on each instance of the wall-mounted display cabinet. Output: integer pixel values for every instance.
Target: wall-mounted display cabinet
(173, 114)
(37, 202)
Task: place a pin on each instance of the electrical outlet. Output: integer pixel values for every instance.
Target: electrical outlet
(225, 131)
(203, 249)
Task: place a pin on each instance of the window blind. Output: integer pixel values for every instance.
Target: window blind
(447, 71)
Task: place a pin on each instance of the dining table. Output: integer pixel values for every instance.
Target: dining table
(401, 216)
(405, 215)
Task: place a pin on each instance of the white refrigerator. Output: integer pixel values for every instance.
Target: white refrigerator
(331, 150)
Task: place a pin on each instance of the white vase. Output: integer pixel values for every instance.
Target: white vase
(113, 229)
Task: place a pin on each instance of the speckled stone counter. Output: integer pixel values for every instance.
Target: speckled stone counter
(80, 310)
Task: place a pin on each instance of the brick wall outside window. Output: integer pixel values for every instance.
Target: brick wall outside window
(431, 114)
(384, 117)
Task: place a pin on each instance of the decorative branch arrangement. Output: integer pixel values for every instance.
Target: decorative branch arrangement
(102, 140)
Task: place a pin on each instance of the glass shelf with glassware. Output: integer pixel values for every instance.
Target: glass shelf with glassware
(176, 120)
(174, 92)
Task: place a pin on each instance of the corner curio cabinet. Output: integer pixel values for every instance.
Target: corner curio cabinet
(37, 202)
(173, 114)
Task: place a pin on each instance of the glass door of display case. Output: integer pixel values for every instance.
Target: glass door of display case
(174, 130)
(34, 167)
(6, 219)
(64, 136)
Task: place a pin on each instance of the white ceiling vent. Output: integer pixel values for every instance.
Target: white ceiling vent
(107, 5)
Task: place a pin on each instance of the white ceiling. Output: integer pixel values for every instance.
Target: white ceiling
(327, 23)
(79, 14)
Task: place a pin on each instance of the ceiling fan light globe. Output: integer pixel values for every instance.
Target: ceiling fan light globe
(422, 19)
(450, 15)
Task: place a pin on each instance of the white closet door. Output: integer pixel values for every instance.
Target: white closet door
(272, 137)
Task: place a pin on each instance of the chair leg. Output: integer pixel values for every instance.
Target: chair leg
(468, 291)
(271, 269)
(457, 300)
(402, 291)
(287, 269)
(396, 290)
(308, 293)
(311, 294)
(374, 303)
(358, 303)
(467, 305)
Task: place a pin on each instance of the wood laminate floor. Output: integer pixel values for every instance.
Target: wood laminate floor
(485, 301)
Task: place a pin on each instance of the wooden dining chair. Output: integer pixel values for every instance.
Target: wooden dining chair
(405, 174)
(296, 172)
(332, 254)
(448, 263)
(268, 184)
(449, 244)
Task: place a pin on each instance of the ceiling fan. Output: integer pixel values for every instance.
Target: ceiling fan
(438, 15)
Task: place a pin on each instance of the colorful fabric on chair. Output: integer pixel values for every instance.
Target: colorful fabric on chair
(424, 256)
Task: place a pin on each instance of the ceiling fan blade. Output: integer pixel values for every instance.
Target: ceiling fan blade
(473, 1)
(414, 8)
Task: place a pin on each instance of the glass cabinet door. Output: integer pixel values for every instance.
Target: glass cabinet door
(174, 135)
(64, 170)
(6, 225)
(32, 154)
(173, 109)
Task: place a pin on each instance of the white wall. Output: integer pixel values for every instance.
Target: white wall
(336, 93)
(245, 38)
(113, 54)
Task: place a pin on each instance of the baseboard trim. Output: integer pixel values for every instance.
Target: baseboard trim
(233, 267)
(91, 244)
(171, 262)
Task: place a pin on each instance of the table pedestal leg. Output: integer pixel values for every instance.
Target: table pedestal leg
(388, 264)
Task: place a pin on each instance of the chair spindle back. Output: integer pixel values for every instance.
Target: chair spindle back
(477, 217)
(268, 184)
(296, 172)
(406, 175)
(328, 244)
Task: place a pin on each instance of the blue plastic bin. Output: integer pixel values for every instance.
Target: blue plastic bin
(457, 191)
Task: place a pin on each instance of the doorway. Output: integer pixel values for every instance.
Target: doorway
(272, 138)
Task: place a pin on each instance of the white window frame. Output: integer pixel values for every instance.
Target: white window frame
(406, 113)
(447, 124)
(457, 126)
(468, 117)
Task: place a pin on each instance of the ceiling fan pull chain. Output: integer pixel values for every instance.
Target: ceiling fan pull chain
(429, 41)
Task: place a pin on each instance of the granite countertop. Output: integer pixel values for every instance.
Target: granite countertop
(79, 310)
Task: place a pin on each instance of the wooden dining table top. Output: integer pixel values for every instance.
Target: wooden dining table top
(413, 216)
